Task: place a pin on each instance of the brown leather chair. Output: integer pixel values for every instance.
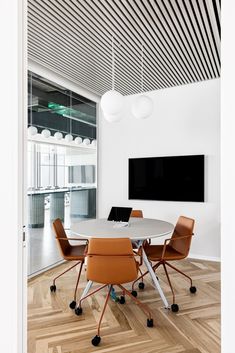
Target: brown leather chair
(111, 262)
(174, 249)
(137, 213)
(69, 253)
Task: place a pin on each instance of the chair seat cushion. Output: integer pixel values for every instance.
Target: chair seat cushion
(75, 252)
(154, 253)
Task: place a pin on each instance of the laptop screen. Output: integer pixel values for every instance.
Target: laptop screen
(120, 214)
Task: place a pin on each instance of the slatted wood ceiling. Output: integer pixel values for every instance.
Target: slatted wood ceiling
(181, 40)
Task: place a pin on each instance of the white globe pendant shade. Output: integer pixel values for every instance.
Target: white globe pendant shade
(68, 138)
(142, 107)
(32, 130)
(111, 103)
(58, 135)
(78, 140)
(46, 133)
(86, 142)
(94, 143)
(112, 118)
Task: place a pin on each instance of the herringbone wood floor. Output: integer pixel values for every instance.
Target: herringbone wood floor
(54, 328)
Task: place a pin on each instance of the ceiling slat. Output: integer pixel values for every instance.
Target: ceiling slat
(99, 43)
(136, 38)
(127, 48)
(162, 39)
(180, 40)
(77, 56)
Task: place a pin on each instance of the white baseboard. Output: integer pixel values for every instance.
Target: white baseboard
(203, 257)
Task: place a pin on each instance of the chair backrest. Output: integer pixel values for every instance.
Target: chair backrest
(137, 213)
(63, 244)
(184, 226)
(111, 261)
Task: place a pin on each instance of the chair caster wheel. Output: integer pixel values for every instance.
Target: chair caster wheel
(96, 340)
(78, 311)
(72, 305)
(53, 288)
(122, 299)
(149, 322)
(141, 285)
(134, 293)
(174, 308)
(193, 289)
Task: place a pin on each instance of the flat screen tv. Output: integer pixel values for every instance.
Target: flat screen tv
(175, 178)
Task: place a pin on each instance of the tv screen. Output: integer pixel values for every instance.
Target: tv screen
(175, 178)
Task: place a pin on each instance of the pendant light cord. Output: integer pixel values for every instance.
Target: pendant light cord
(113, 64)
(142, 68)
(31, 99)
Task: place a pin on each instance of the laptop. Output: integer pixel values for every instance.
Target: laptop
(120, 214)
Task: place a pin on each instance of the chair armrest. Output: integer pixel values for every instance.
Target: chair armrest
(81, 239)
(86, 250)
(173, 239)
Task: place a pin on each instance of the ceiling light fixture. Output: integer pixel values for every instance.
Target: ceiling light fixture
(112, 101)
(32, 130)
(46, 133)
(78, 140)
(142, 106)
(86, 142)
(68, 138)
(58, 135)
(94, 143)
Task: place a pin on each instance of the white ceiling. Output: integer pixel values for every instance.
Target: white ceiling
(181, 40)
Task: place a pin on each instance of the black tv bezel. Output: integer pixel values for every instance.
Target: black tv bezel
(171, 156)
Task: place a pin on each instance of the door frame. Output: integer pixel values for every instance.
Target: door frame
(22, 177)
(13, 93)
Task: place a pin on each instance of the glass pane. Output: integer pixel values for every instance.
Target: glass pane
(81, 163)
(61, 168)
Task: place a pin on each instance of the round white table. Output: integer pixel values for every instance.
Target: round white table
(138, 230)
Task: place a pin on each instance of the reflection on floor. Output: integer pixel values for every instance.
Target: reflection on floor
(42, 248)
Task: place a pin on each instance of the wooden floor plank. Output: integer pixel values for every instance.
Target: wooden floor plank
(54, 328)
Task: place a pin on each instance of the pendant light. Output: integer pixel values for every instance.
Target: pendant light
(86, 142)
(46, 133)
(58, 135)
(32, 130)
(78, 140)
(142, 106)
(68, 138)
(112, 101)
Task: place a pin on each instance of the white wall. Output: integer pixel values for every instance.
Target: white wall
(186, 120)
(227, 174)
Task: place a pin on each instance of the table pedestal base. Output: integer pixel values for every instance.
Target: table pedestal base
(154, 279)
(152, 274)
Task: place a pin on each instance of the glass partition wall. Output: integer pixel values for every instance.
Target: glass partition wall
(62, 165)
